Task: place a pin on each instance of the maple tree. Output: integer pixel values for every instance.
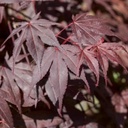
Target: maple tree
(47, 56)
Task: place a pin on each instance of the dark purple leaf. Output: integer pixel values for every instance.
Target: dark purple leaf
(89, 29)
(88, 57)
(5, 113)
(10, 87)
(46, 62)
(107, 51)
(83, 77)
(110, 49)
(57, 82)
(70, 57)
(35, 33)
(103, 60)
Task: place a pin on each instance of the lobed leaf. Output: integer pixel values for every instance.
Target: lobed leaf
(107, 51)
(36, 33)
(59, 76)
(70, 57)
(5, 113)
(10, 87)
(88, 57)
(89, 29)
(57, 82)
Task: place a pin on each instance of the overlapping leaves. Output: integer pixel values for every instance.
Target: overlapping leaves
(57, 63)
(57, 60)
(10, 87)
(108, 51)
(88, 33)
(22, 4)
(5, 114)
(10, 92)
(35, 33)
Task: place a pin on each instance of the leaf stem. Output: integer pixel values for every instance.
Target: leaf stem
(19, 12)
(67, 39)
(64, 29)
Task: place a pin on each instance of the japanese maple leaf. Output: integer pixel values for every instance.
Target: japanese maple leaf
(23, 78)
(10, 87)
(73, 62)
(58, 62)
(75, 57)
(69, 55)
(35, 33)
(89, 29)
(5, 113)
(58, 78)
(88, 57)
(107, 51)
(37, 94)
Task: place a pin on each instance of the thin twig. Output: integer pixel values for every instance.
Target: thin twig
(19, 12)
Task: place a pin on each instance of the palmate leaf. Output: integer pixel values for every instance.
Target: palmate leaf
(58, 78)
(69, 55)
(103, 61)
(107, 51)
(89, 29)
(83, 77)
(45, 65)
(5, 113)
(10, 87)
(23, 78)
(57, 82)
(88, 57)
(38, 74)
(35, 33)
(57, 62)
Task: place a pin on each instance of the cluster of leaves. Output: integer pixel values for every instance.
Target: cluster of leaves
(44, 62)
